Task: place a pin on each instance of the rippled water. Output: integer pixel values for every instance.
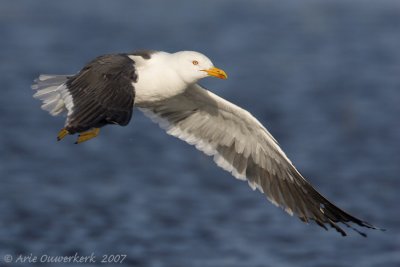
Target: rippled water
(322, 75)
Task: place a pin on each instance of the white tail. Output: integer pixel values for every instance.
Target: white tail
(53, 92)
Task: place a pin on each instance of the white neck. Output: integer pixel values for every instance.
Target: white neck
(157, 78)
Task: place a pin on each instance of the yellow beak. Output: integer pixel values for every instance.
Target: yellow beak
(218, 73)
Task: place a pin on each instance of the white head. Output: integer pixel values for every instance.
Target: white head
(193, 66)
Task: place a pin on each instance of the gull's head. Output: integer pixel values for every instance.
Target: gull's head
(193, 66)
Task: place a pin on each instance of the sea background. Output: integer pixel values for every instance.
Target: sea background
(323, 76)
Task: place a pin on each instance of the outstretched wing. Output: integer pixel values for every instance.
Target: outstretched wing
(102, 93)
(242, 146)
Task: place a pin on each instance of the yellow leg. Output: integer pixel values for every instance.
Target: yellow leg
(88, 135)
(62, 134)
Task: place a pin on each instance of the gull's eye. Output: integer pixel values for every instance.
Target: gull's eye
(195, 62)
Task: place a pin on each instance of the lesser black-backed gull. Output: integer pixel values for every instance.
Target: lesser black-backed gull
(164, 86)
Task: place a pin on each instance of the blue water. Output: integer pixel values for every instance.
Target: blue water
(323, 76)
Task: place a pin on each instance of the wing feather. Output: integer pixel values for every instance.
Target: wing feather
(102, 93)
(242, 146)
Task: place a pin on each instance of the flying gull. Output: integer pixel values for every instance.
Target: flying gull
(164, 86)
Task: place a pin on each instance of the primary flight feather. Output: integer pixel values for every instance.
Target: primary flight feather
(164, 86)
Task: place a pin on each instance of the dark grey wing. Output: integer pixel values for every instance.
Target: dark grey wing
(102, 93)
(242, 146)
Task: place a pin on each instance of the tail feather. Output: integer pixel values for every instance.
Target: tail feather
(51, 89)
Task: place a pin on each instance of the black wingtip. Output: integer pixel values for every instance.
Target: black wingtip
(336, 216)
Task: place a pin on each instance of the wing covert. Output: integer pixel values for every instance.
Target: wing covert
(102, 93)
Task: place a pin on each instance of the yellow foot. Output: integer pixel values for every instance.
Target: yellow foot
(62, 134)
(87, 135)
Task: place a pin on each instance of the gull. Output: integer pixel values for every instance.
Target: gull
(164, 86)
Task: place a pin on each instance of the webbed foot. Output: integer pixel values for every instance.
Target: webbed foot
(87, 135)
